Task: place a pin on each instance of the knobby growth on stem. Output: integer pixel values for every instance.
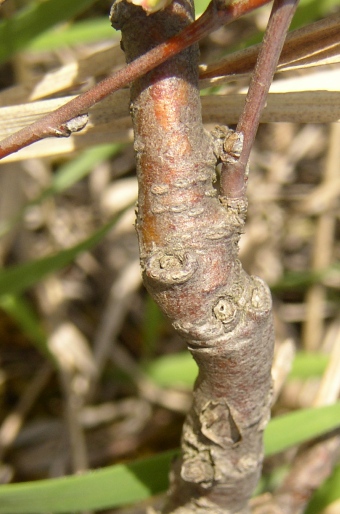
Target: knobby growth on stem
(188, 228)
(188, 238)
(233, 183)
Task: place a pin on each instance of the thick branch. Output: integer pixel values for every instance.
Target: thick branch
(188, 247)
(59, 123)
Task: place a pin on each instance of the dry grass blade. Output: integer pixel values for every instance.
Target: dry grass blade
(315, 44)
(324, 241)
(299, 107)
(12, 424)
(113, 316)
(108, 121)
(47, 433)
(329, 389)
(71, 75)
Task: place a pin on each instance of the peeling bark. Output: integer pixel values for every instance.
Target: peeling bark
(188, 239)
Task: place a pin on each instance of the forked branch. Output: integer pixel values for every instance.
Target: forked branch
(188, 240)
(59, 123)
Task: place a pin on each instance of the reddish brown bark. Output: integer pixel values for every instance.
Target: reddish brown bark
(71, 118)
(301, 43)
(233, 174)
(188, 241)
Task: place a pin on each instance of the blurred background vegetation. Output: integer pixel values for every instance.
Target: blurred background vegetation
(91, 373)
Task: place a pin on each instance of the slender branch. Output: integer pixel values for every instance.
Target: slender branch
(234, 172)
(56, 123)
(309, 42)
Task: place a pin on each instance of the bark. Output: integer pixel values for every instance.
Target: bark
(188, 238)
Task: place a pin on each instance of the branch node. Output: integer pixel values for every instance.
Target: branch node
(233, 145)
(199, 470)
(171, 267)
(225, 311)
(69, 127)
(227, 144)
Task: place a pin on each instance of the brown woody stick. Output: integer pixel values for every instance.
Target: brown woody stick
(59, 123)
(188, 248)
(234, 174)
(313, 40)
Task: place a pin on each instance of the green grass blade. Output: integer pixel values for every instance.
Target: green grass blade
(328, 493)
(109, 487)
(85, 31)
(19, 30)
(177, 369)
(16, 279)
(303, 279)
(129, 483)
(21, 312)
(78, 168)
(152, 328)
(180, 368)
(311, 10)
(308, 365)
(300, 426)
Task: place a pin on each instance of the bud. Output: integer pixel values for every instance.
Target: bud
(151, 6)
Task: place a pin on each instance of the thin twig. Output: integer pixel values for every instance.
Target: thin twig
(55, 123)
(304, 44)
(233, 174)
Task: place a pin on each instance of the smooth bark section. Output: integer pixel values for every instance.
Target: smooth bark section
(189, 256)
